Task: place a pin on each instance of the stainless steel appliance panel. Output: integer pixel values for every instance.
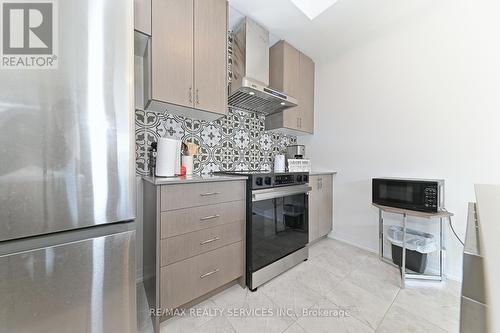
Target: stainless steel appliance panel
(66, 133)
(276, 268)
(250, 71)
(82, 286)
(295, 151)
(473, 305)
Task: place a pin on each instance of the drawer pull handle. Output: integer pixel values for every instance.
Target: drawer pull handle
(210, 240)
(209, 194)
(209, 273)
(211, 217)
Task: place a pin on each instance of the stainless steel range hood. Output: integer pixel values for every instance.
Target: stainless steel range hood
(250, 76)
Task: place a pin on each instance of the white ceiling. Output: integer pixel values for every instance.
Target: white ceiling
(341, 27)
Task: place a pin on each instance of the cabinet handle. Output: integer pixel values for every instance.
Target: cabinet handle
(300, 126)
(298, 122)
(209, 194)
(210, 240)
(210, 217)
(190, 95)
(209, 273)
(197, 97)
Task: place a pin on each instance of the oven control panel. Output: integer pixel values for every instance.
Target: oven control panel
(261, 181)
(284, 180)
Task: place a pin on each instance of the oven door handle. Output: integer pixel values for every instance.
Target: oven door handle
(279, 192)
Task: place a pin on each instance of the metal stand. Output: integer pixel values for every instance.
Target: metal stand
(405, 213)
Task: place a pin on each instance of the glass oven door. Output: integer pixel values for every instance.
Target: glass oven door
(279, 226)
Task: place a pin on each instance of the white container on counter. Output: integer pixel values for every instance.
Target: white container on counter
(188, 163)
(279, 163)
(168, 159)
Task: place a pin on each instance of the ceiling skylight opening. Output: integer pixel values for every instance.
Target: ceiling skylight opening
(313, 8)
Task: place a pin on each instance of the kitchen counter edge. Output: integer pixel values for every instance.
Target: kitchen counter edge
(191, 179)
(320, 173)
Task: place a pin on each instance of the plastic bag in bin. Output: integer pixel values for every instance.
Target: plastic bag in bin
(415, 240)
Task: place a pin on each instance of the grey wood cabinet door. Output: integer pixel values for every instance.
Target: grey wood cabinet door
(306, 95)
(210, 55)
(320, 206)
(142, 16)
(326, 205)
(314, 199)
(172, 51)
(292, 85)
(284, 76)
(292, 72)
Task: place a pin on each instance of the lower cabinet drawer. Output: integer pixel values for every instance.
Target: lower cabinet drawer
(181, 196)
(187, 280)
(177, 222)
(184, 246)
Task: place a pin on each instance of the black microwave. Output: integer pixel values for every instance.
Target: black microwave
(425, 195)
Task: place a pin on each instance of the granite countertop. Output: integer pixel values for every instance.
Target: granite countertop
(204, 178)
(488, 200)
(319, 173)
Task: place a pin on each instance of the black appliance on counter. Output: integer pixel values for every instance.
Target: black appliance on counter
(277, 223)
(426, 195)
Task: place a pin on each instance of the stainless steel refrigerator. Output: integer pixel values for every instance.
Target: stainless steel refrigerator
(67, 189)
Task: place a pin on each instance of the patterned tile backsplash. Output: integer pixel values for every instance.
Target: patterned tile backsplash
(235, 142)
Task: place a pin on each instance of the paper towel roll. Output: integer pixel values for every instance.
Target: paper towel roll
(279, 163)
(168, 157)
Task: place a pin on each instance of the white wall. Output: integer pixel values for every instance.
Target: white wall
(420, 100)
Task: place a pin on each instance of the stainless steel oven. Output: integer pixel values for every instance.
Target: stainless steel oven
(277, 223)
(277, 226)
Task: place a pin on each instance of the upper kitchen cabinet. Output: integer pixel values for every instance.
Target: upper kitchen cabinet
(187, 58)
(142, 16)
(210, 61)
(292, 72)
(172, 48)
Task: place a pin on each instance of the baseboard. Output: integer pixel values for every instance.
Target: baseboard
(454, 278)
(339, 238)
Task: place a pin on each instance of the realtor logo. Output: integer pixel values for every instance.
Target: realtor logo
(29, 38)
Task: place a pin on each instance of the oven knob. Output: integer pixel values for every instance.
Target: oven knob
(267, 181)
(299, 178)
(258, 181)
(305, 178)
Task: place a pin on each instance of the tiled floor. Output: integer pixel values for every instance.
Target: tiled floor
(339, 289)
